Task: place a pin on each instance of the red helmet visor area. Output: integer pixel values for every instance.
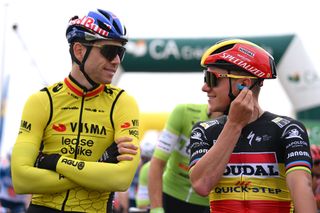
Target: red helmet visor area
(252, 59)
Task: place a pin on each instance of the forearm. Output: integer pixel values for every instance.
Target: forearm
(102, 176)
(155, 183)
(207, 172)
(28, 179)
(299, 184)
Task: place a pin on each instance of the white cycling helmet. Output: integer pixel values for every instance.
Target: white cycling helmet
(148, 143)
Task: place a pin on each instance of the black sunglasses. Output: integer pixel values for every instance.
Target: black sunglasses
(211, 78)
(109, 51)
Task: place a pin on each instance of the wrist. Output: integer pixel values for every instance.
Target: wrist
(157, 210)
(49, 161)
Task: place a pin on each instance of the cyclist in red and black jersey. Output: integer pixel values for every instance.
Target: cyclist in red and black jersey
(248, 160)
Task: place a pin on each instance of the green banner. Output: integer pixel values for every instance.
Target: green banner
(183, 55)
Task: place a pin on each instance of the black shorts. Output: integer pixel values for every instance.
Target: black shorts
(174, 205)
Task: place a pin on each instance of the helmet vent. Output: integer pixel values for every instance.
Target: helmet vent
(223, 48)
(117, 27)
(105, 14)
(103, 26)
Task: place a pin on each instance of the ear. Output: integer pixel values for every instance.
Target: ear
(79, 50)
(246, 82)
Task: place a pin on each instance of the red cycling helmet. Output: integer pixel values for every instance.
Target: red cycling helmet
(240, 55)
(315, 153)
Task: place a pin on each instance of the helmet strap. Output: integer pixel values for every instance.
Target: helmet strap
(231, 96)
(82, 63)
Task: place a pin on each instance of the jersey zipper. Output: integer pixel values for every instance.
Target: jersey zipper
(77, 144)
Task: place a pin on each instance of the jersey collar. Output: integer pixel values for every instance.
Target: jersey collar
(74, 86)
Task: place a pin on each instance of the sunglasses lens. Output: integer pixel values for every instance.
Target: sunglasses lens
(210, 79)
(110, 52)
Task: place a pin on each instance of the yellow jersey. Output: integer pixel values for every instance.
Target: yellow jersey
(79, 125)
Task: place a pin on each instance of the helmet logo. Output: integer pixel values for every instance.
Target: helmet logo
(239, 62)
(88, 23)
(247, 52)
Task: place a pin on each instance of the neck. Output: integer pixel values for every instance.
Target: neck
(257, 112)
(214, 114)
(80, 78)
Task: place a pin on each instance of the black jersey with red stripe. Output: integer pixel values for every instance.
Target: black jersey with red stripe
(255, 176)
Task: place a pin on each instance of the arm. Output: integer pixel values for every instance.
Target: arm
(142, 196)
(26, 178)
(299, 184)
(207, 172)
(123, 198)
(155, 182)
(167, 141)
(107, 176)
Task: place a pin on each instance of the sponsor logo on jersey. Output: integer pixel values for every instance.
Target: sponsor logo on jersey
(293, 131)
(295, 144)
(90, 110)
(59, 127)
(281, 122)
(246, 189)
(129, 124)
(196, 135)
(88, 128)
(79, 165)
(207, 124)
(131, 127)
(134, 132)
(298, 154)
(200, 151)
(252, 137)
(69, 146)
(252, 164)
(70, 108)
(25, 125)
(57, 87)
(125, 125)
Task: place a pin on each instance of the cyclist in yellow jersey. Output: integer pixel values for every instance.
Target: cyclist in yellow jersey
(66, 153)
(248, 160)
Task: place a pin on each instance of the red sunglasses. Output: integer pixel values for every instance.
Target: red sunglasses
(211, 78)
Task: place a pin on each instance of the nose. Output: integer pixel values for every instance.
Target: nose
(116, 60)
(205, 87)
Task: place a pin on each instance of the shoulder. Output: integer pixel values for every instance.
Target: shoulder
(54, 88)
(281, 121)
(219, 121)
(190, 108)
(118, 93)
(289, 127)
(203, 129)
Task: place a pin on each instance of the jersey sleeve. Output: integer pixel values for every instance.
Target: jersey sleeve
(108, 176)
(169, 137)
(26, 178)
(297, 148)
(202, 138)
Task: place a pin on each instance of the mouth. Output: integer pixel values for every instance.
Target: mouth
(111, 71)
(211, 97)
